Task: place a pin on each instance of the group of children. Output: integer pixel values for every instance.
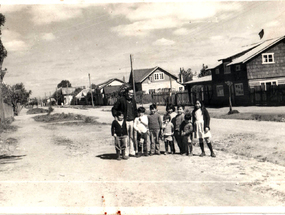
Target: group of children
(179, 126)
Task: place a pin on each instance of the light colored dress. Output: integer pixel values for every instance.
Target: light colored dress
(199, 126)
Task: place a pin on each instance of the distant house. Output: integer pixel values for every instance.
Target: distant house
(251, 75)
(107, 90)
(154, 80)
(65, 94)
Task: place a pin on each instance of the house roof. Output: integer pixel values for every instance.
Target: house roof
(199, 80)
(106, 83)
(111, 89)
(83, 93)
(213, 66)
(141, 74)
(255, 51)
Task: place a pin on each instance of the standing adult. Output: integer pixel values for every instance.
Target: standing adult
(201, 123)
(128, 106)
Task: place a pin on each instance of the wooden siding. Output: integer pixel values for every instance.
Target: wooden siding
(257, 70)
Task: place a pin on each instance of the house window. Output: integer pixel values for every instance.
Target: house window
(239, 89)
(220, 90)
(266, 84)
(268, 58)
(227, 69)
(237, 68)
(158, 76)
(217, 71)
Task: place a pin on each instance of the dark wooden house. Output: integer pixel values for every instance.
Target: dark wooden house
(255, 75)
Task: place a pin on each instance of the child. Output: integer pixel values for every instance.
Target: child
(201, 123)
(177, 120)
(186, 129)
(119, 132)
(168, 131)
(170, 109)
(141, 127)
(155, 128)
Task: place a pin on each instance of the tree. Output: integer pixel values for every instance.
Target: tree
(64, 83)
(185, 76)
(16, 96)
(3, 54)
(204, 71)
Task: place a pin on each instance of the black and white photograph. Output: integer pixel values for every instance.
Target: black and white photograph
(142, 107)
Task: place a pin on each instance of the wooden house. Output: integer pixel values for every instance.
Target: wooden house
(254, 75)
(154, 80)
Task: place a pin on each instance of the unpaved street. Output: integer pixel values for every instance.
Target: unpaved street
(72, 168)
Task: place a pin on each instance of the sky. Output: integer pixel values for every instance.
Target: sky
(68, 39)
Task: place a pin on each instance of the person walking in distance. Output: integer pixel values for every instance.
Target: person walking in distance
(201, 123)
(128, 106)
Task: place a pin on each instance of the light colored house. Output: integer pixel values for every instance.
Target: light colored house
(67, 93)
(154, 80)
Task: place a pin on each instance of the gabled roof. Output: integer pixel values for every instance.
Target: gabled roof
(141, 74)
(255, 51)
(83, 93)
(106, 83)
(199, 80)
(213, 66)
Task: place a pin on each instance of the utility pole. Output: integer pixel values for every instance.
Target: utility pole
(90, 86)
(132, 72)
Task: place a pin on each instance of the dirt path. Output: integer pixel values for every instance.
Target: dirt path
(70, 168)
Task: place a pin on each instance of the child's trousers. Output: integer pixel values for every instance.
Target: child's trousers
(120, 143)
(154, 141)
(170, 144)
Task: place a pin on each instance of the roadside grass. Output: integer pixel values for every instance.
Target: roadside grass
(37, 111)
(68, 118)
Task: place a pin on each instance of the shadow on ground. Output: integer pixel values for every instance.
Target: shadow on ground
(6, 159)
(107, 156)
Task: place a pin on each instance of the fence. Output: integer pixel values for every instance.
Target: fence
(271, 95)
(164, 98)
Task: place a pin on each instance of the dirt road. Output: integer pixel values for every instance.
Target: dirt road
(58, 167)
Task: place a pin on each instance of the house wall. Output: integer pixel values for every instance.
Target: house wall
(160, 84)
(257, 70)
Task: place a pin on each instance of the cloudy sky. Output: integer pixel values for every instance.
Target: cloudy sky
(52, 42)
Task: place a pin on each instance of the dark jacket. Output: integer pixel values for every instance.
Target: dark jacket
(121, 105)
(206, 118)
(119, 130)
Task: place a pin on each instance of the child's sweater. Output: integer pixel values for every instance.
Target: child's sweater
(154, 122)
(186, 128)
(119, 130)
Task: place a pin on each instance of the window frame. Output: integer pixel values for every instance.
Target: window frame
(158, 76)
(239, 94)
(268, 81)
(238, 68)
(264, 55)
(223, 92)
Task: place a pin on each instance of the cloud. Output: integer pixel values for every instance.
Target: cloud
(163, 42)
(12, 41)
(48, 36)
(5, 9)
(46, 14)
(142, 28)
(145, 17)
(181, 31)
